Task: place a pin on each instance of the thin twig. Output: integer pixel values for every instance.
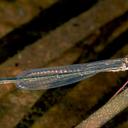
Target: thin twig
(107, 112)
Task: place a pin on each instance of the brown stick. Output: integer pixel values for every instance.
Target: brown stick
(107, 112)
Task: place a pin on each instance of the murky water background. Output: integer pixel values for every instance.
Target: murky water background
(44, 33)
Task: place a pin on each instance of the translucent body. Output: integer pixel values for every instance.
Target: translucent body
(53, 77)
(47, 78)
